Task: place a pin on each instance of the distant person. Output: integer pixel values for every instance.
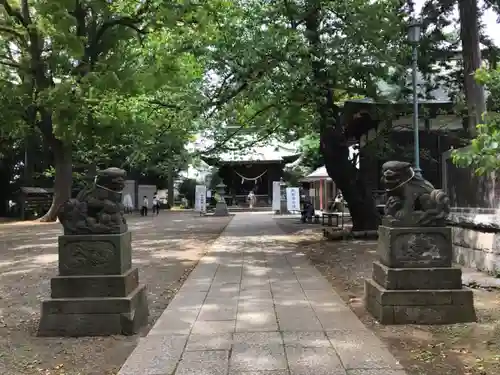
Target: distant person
(144, 208)
(12, 206)
(338, 203)
(127, 203)
(251, 199)
(156, 205)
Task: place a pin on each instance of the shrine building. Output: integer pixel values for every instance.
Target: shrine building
(255, 170)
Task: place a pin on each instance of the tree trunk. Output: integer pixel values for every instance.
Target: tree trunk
(63, 180)
(471, 54)
(29, 161)
(348, 179)
(170, 182)
(333, 143)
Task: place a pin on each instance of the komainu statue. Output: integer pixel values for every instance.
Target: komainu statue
(412, 200)
(97, 209)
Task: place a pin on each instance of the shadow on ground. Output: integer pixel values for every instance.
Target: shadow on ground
(165, 248)
(461, 349)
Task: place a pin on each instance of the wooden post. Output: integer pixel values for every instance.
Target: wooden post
(321, 194)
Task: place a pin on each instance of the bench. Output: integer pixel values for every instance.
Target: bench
(336, 215)
(308, 218)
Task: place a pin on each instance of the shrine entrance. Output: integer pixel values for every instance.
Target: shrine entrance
(243, 176)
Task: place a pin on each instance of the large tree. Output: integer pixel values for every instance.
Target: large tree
(283, 67)
(87, 71)
(468, 39)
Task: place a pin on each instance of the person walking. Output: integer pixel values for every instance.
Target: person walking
(156, 205)
(144, 208)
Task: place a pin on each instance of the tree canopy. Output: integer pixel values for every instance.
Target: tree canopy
(103, 81)
(131, 83)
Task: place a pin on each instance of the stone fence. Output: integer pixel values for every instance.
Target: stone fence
(475, 249)
(477, 244)
(475, 204)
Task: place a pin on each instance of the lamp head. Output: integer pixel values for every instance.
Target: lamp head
(414, 31)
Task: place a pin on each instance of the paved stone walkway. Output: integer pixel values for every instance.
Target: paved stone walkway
(252, 307)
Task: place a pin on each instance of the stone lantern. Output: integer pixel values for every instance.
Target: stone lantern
(221, 206)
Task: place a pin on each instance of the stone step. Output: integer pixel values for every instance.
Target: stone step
(417, 278)
(441, 306)
(83, 286)
(247, 209)
(94, 316)
(96, 305)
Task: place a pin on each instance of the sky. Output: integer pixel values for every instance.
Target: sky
(489, 19)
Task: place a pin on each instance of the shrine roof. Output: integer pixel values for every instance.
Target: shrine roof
(318, 174)
(263, 154)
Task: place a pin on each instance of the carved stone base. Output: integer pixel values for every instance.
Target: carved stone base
(415, 247)
(102, 316)
(97, 293)
(95, 254)
(221, 209)
(414, 281)
(442, 306)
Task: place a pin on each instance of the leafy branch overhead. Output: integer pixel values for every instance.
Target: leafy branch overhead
(482, 154)
(93, 78)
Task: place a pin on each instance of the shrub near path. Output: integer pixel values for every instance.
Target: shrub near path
(165, 248)
(460, 349)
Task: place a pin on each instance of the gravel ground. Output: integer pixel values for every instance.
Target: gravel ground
(461, 349)
(166, 248)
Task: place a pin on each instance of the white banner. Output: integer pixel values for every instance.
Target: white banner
(292, 199)
(200, 199)
(276, 195)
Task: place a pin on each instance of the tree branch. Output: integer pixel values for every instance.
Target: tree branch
(120, 21)
(258, 140)
(233, 134)
(14, 13)
(14, 33)
(25, 11)
(290, 15)
(165, 105)
(11, 64)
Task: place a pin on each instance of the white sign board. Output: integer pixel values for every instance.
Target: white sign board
(292, 199)
(312, 192)
(276, 195)
(200, 199)
(209, 194)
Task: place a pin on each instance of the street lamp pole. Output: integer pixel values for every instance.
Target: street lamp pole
(414, 39)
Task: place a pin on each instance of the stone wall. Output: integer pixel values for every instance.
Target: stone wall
(466, 189)
(476, 249)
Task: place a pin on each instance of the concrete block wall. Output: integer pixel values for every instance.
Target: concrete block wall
(475, 249)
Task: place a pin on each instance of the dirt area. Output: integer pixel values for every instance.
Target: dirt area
(166, 248)
(461, 349)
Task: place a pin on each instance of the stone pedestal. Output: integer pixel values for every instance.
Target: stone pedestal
(221, 209)
(283, 208)
(414, 281)
(97, 292)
